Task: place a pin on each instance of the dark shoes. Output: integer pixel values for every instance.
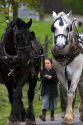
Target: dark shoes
(63, 114)
(52, 118)
(42, 117)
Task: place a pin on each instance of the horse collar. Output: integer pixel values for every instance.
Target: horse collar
(66, 59)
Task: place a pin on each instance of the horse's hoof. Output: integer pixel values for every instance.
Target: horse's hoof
(29, 122)
(9, 123)
(68, 120)
(12, 123)
(17, 123)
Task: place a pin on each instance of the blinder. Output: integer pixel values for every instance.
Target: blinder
(52, 27)
(71, 27)
(61, 24)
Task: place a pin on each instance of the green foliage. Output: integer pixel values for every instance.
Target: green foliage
(3, 2)
(4, 105)
(76, 6)
(4, 8)
(42, 29)
(2, 25)
(34, 4)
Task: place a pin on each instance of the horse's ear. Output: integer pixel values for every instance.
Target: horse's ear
(73, 22)
(54, 15)
(69, 14)
(29, 23)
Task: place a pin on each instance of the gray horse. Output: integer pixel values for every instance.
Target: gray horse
(68, 60)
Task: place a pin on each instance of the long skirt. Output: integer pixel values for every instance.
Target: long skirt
(49, 103)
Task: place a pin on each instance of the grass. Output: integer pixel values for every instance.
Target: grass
(4, 105)
(41, 29)
(2, 25)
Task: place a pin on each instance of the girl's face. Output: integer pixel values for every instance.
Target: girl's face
(48, 64)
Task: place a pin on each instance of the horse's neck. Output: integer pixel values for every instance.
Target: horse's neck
(67, 48)
(35, 45)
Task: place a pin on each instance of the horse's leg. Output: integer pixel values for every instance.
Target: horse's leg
(69, 112)
(31, 93)
(10, 92)
(69, 84)
(80, 88)
(18, 111)
(69, 116)
(63, 99)
(8, 83)
(10, 87)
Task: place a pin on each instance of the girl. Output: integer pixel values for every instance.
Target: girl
(49, 90)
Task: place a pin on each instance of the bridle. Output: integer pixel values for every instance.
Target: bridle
(67, 37)
(62, 35)
(27, 43)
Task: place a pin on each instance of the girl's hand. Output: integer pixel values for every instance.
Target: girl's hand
(48, 77)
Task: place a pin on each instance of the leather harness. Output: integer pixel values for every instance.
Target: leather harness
(75, 50)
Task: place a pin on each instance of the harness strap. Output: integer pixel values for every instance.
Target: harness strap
(74, 51)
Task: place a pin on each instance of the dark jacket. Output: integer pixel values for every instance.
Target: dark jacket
(49, 87)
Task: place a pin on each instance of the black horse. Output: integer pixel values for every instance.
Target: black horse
(20, 62)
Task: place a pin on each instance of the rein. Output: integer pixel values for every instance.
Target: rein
(24, 47)
(41, 55)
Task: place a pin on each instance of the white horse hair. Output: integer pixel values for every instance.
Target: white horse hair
(67, 60)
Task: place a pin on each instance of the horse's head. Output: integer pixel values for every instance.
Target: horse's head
(22, 35)
(17, 38)
(62, 29)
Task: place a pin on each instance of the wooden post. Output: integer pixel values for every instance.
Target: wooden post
(46, 46)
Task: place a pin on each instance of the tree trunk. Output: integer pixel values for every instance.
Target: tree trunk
(41, 12)
(41, 16)
(15, 9)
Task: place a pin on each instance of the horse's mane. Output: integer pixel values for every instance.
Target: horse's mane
(64, 17)
(61, 14)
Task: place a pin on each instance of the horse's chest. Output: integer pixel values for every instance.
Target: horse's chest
(74, 68)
